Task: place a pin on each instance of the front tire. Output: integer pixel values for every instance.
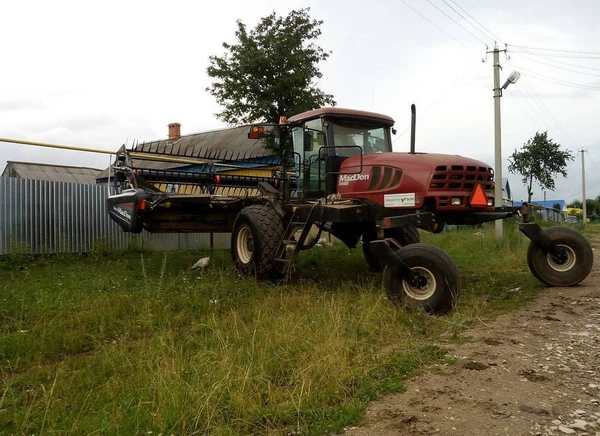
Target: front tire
(552, 272)
(257, 233)
(442, 283)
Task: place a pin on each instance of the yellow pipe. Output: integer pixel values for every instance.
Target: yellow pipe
(138, 154)
(64, 147)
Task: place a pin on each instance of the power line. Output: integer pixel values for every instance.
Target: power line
(552, 118)
(456, 22)
(557, 50)
(470, 23)
(444, 93)
(561, 68)
(554, 60)
(495, 38)
(525, 110)
(557, 81)
(566, 63)
(533, 109)
(556, 55)
(432, 23)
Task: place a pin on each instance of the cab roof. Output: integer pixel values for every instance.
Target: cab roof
(337, 112)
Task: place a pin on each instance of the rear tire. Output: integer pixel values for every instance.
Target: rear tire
(578, 265)
(404, 235)
(440, 292)
(257, 233)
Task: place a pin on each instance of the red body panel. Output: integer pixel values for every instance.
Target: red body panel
(404, 180)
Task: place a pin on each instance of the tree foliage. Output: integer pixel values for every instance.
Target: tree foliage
(557, 206)
(540, 160)
(270, 70)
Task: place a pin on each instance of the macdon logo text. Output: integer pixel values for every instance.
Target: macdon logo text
(346, 179)
(122, 212)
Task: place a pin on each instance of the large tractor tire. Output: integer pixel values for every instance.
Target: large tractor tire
(441, 286)
(576, 267)
(257, 233)
(404, 235)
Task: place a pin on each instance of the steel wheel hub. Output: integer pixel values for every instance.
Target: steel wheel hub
(245, 244)
(426, 290)
(569, 261)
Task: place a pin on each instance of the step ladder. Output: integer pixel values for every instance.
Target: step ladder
(298, 223)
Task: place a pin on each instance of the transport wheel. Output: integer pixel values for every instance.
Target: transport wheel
(257, 233)
(404, 235)
(440, 286)
(569, 271)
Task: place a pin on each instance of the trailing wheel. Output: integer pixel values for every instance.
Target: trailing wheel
(571, 266)
(438, 285)
(257, 233)
(404, 235)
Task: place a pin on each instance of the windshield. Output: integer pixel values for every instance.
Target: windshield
(372, 139)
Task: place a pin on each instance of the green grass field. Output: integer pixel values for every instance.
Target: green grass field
(136, 343)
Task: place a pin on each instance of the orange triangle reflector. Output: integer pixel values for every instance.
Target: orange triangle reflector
(478, 197)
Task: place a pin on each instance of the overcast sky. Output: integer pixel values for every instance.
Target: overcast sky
(102, 73)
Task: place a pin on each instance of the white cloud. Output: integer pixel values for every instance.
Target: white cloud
(97, 74)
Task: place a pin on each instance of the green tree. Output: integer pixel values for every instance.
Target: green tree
(270, 71)
(591, 207)
(556, 206)
(540, 160)
(577, 204)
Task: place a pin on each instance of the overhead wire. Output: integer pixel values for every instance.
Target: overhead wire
(456, 22)
(557, 81)
(530, 88)
(583, 67)
(556, 66)
(470, 23)
(444, 93)
(533, 109)
(433, 24)
(557, 50)
(516, 49)
(494, 37)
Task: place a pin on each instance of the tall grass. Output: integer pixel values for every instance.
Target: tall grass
(131, 343)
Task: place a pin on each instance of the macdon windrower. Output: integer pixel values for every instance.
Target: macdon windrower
(337, 173)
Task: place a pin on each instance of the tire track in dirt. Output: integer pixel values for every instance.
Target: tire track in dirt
(533, 371)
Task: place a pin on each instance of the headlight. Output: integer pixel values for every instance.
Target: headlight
(456, 201)
(490, 202)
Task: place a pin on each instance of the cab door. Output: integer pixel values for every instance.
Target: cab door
(308, 141)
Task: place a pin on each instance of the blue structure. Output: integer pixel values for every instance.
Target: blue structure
(548, 204)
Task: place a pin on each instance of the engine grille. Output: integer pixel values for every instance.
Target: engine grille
(461, 178)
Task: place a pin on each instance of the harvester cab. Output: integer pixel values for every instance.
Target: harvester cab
(322, 139)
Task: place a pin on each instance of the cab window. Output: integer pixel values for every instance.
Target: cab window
(370, 138)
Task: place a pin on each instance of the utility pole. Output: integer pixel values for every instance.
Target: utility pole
(497, 138)
(514, 76)
(583, 186)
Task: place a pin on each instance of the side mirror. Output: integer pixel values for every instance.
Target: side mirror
(394, 131)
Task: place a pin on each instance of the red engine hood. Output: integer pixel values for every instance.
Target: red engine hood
(385, 177)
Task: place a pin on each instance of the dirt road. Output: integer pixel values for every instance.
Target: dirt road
(531, 372)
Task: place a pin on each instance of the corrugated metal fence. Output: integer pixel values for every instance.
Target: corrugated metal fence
(38, 216)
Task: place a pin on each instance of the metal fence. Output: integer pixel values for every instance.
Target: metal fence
(39, 216)
(547, 213)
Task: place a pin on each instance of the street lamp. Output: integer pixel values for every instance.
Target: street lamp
(512, 78)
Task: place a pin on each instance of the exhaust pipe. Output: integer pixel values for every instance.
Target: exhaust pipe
(413, 126)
